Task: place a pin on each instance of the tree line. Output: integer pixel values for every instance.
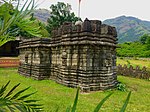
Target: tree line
(139, 48)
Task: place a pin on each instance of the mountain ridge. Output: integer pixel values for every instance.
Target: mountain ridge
(129, 28)
(42, 14)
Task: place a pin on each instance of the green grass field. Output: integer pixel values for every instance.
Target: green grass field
(54, 95)
(134, 62)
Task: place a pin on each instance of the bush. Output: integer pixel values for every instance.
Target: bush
(134, 49)
(121, 87)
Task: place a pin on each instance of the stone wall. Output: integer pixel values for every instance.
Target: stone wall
(9, 62)
(82, 55)
(135, 72)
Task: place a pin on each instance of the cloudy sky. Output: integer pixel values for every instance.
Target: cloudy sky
(105, 9)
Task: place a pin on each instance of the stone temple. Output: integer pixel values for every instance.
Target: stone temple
(76, 56)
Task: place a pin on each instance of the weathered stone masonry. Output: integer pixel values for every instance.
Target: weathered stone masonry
(82, 55)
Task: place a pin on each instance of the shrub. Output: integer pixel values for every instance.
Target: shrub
(121, 87)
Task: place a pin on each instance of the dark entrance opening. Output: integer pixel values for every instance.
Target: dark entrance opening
(9, 49)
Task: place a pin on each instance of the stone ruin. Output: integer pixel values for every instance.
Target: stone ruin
(136, 72)
(76, 56)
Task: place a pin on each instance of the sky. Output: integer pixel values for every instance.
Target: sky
(105, 9)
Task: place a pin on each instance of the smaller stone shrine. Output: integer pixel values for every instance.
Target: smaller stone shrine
(76, 55)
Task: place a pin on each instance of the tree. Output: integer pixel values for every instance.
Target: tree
(144, 38)
(148, 43)
(14, 22)
(12, 102)
(60, 13)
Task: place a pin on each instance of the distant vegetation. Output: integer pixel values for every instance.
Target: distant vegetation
(135, 49)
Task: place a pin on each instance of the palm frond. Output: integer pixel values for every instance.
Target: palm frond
(126, 103)
(10, 102)
(18, 93)
(68, 109)
(75, 101)
(11, 91)
(102, 102)
(5, 38)
(30, 27)
(9, 21)
(3, 88)
(26, 96)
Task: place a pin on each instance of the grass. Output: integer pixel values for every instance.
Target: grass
(134, 62)
(54, 95)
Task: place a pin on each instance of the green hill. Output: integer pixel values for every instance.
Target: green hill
(129, 28)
